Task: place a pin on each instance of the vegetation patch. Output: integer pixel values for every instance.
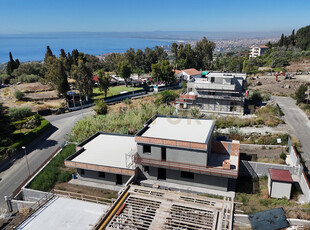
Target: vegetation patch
(260, 201)
(54, 172)
(115, 90)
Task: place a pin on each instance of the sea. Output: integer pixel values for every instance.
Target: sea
(33, 47)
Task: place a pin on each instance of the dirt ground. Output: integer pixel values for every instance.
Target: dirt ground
(37, 96)
(264, 155)
(86, 190)
(282, 87)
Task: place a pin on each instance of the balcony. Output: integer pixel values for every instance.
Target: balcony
(208, 170)
(214, 86)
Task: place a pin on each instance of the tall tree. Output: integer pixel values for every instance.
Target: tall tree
(204, 53)
(174, 50)
(281, 42)
(124, 70)
(48, 54)
(11, 65)
(56, 76)
(293, 38)
(303, 38)
(104, 82)
(83, 77)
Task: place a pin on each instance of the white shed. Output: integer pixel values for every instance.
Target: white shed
(279, 183)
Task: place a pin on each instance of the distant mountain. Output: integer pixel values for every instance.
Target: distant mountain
(165, 35)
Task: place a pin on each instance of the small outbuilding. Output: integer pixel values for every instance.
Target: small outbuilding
(279, 183)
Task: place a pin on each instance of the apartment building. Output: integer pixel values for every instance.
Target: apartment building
(256, 51)
(222, 93)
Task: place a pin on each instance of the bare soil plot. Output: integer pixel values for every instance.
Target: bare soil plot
(282, 87)
(37, 96)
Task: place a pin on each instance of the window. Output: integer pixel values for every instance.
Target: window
(163, 154)
(82, 172)
(146, 169)
(187, 175)
(101, 174)
(146, 148)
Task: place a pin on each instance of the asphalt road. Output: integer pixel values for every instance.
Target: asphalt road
(299, 122)
(13, 173)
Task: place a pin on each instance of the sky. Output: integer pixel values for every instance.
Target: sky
(28, 16)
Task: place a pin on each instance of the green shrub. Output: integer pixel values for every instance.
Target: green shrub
(265, 202)
(19, 113)
(101, 107)
(168, 96)
(301, 93)
(19, 95)
(195, 112)
(283, 156)
(64, 176)
(266, 97)
(256, 97)
(33, 122)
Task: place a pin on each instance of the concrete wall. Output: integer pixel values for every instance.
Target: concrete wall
(93, 176)
(200, 180)
(176, 155)
(33, 195)
(280, 189)
(262, 169)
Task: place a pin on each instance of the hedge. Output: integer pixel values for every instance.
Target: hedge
(53, 172)
(31, 135)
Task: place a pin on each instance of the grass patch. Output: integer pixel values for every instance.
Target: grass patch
(54, 171)
(115, 90)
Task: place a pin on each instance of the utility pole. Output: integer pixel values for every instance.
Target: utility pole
(24, 148)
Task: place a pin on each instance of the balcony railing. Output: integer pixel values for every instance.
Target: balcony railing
(209, 170)
(209, 85)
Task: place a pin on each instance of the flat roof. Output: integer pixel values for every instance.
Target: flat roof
(63, 213)
(280, 175)
(181, 129)
(107, 150)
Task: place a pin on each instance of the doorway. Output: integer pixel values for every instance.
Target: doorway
(161, 174)
(119, 179)
(163, 154)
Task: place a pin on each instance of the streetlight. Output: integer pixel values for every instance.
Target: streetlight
(24, 148)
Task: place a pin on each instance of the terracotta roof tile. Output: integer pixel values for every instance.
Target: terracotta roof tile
(191, 72)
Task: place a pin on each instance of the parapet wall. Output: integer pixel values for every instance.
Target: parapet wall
(225, 147)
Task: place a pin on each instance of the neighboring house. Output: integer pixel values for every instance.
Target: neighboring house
(104, 157)
(279, 183)
(181, 151)
(188, 74)
(256, 51)
(117, 80)
(222, 93)
(175, 150)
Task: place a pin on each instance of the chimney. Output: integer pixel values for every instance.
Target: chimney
(226, 164)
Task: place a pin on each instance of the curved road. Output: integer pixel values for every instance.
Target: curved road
(299, 122)
(13, 173)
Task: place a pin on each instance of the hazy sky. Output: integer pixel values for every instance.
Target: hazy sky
(22, 16)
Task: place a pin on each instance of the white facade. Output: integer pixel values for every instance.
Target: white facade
(279, 189)
(256, 51)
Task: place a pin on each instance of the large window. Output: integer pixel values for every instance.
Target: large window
(82, 172)
(146, 149)
(187, 175)
(146, 168)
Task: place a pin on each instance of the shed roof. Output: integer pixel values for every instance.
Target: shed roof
(280, 175)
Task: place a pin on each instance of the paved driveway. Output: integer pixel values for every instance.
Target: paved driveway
(299, 123)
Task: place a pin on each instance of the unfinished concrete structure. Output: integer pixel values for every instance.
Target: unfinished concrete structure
(181, 151)
(149, 208)
(104, 157)
(222, 93)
